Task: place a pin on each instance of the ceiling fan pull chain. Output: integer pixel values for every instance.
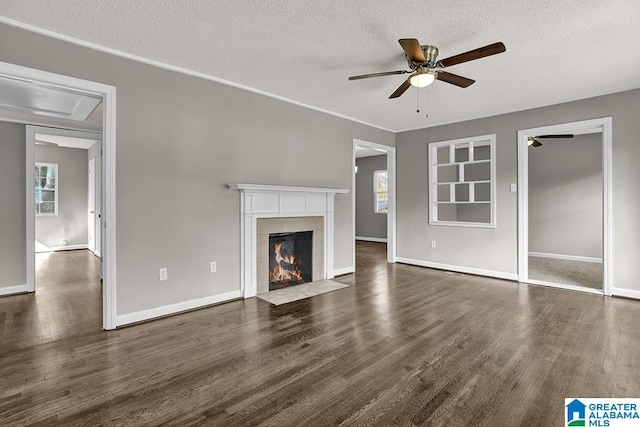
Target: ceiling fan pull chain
(426, 106)
(418, 100)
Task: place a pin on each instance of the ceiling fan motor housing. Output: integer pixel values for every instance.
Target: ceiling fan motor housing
(430, 53)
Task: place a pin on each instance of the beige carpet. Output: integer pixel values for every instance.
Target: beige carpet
(298, 292)
(576, 273)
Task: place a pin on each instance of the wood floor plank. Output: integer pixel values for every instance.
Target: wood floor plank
(401, 346)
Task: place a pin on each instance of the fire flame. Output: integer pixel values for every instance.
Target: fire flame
(280, 273)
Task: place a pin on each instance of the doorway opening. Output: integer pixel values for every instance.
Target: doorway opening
(44, 106)
(564, 205)
(373, 191)
(67, 223)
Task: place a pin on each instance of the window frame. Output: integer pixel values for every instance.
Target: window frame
(376, 192)
(55, 190)
(433, 165)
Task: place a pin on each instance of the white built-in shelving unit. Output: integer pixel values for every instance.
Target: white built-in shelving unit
(462, 182)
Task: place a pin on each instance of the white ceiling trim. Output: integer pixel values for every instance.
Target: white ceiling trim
(66, 141)
(169, 67)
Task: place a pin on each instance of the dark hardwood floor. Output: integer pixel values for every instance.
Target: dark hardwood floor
(67, 302)
(401, 346)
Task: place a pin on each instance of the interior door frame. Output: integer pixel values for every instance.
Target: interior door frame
(391, 186)
(605, 124)
(91, 196)
(31, 131)
(108, 181)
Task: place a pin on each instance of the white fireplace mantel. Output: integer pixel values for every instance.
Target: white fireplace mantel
(272, 201)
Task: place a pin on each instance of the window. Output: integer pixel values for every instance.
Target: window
(462, 182)
(46, 195)
(380, 191)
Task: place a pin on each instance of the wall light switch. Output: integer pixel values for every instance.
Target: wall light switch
(213, 267)
(514, 187)
(163, 274)
(433, 244)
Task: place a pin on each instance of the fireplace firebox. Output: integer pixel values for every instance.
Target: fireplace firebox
(290, 259)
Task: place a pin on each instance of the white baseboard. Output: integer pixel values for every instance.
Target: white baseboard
(459, 269)
(563, 286)
(152, 313)
(16, 289)
(566, 257)
(341, 271)
(372, 239)
(68, 247)
(627, 293)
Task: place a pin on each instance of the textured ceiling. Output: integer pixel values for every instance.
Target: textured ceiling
(557, 51)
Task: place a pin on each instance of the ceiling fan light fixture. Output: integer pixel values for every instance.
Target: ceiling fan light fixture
(422, 78)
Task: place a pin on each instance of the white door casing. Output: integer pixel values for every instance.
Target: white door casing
(108, 181)
(91, 206)
(605, 124)
(391, 186)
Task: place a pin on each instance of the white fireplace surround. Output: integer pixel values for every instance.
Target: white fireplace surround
(274, 201)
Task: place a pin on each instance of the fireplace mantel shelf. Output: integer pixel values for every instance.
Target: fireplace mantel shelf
(256, 188)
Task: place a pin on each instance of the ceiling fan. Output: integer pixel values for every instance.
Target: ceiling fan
(425, 68)
(535, 140)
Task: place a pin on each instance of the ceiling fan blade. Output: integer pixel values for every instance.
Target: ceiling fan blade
(413, 49)
(533, 140)
(566, 135)
(454, 79)
(384, 73)
(481, 52)
(402, 89)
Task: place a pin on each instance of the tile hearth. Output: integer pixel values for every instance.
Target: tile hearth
(298, 292)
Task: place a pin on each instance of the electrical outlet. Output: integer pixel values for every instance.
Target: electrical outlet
(514, 187)
(163, 274)
(213, 267)
(433, 244)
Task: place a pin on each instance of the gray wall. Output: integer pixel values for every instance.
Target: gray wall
(180, 140)
(369, 223)
(565, 196)
(12, 205)
(496, 249)
(71, 222)
(94, 153)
